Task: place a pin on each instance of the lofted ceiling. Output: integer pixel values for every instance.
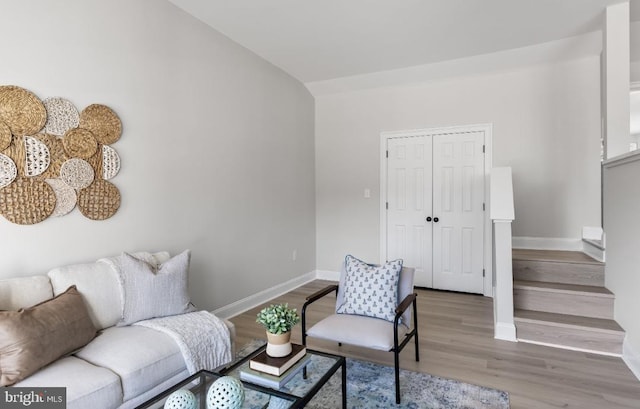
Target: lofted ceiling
(317, 40)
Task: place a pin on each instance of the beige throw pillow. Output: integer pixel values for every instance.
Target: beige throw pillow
(34, 337)
(151, 294)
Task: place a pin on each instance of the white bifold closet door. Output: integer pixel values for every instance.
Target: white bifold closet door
(435, 214)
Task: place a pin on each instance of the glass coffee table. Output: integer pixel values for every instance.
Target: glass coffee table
(296, 393)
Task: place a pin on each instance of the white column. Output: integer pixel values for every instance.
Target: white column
(616, 79)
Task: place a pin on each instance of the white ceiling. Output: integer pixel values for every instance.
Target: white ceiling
(315, 40)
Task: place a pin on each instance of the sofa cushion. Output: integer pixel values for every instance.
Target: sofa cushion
(155, 391)
(150, 293)
(98, 284)
(34, 337)
(88, 386)
(23, 292)
(141, 357)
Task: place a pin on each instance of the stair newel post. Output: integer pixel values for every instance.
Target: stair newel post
(502, 215)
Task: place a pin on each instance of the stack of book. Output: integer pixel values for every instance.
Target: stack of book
(274, 373)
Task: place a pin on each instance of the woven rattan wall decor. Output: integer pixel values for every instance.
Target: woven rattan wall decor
(54, 158)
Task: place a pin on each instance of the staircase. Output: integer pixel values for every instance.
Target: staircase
(560, 300)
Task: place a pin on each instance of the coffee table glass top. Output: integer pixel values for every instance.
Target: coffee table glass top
(320, 368)
(296, 393)
(200, 382)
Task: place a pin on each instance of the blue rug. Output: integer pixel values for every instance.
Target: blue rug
(371, 386)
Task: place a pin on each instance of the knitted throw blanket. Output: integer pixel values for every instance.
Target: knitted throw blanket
(203, 338)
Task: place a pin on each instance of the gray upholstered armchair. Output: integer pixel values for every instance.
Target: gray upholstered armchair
(363, 318)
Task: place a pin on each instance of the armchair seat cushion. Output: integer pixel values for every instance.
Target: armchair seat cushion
(350, 329)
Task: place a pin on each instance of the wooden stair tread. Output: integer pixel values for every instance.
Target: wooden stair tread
(555, 256)
(562, 288)
(567, 321)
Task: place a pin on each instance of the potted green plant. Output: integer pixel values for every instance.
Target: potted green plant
(278, 321)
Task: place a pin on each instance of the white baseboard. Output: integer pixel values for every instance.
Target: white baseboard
(593, 251)
(505, 332)
(328, 275)
(546, 243)
(254, 300)
(557, 243)
(631, 358)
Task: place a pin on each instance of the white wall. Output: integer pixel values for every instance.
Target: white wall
(217, 149)
(635, 71)
(622, 275)
(616, 76)
(634, 28)
(546, 127)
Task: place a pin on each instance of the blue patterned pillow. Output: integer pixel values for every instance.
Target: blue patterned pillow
(370, 290)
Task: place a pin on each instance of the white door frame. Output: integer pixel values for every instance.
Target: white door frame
(488, 228)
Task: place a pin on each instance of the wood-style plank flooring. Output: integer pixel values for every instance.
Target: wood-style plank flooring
(456, 342)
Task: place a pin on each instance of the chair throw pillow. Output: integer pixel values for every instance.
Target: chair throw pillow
(370, 290)
(36, 336)
(150, 294)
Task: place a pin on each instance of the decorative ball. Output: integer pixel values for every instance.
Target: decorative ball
(225, 393)
(181, 399)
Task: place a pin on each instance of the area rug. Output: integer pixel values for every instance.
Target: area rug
(370, 385)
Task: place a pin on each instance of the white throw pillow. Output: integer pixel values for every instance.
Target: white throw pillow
(150, 294)
(371, 290)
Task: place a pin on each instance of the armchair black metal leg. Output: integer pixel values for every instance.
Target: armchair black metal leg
(415, 328)
(397, 369)
(304, 326)
(304, 338)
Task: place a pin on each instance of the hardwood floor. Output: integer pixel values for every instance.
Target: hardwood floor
(456, 342)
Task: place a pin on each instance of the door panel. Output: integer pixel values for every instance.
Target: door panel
(458, 196)
(409, 198)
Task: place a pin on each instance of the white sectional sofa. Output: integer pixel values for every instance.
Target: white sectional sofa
(121, 367)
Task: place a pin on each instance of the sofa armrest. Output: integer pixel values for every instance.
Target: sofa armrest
(232, 335)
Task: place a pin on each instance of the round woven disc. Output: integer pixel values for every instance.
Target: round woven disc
(21, 110)
(15, 151)
(110, 162)
(79, 143)
(5, 135)
(102, 122)
(62, 115)
(96, 161)
(8, 171)
(66, 197)
(76, 173)
(99, 201)
(57, 153)
(37, 156)
(27, 201)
